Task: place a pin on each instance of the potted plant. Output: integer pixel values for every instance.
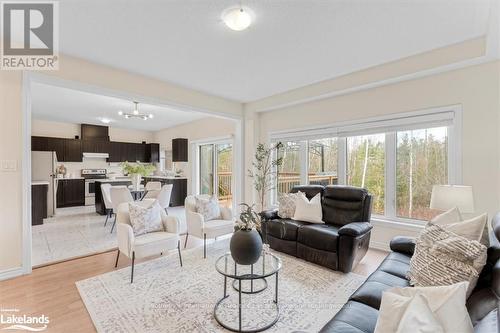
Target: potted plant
(264, 170)
(246, 243)
(136, 171)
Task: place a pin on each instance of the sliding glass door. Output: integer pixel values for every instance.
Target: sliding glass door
(216, 171)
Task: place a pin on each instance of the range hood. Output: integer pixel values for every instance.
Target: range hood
(96, 155)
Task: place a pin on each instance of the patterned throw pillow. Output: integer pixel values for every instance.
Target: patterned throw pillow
(145, 219)
(444, 258)
(208, 207)
(286, 207)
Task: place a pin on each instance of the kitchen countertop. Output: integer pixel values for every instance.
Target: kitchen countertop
(39, 182)
(71, 178)
(165, 177)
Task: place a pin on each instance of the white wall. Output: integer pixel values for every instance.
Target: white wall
(475, 88)
(205, 128)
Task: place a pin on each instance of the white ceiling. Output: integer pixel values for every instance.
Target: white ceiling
(291, 44)
(77, 107)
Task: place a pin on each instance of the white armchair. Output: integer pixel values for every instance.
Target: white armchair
(198, 227)
(148, 244)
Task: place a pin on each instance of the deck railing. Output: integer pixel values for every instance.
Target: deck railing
(285, 182)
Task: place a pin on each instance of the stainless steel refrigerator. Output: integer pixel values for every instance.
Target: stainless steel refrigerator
(43, 167)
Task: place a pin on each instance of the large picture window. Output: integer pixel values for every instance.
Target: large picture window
(323, 161)
(366, 166)
(421, 161)
(397, 160)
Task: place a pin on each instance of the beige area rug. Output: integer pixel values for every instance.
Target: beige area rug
(167, 298)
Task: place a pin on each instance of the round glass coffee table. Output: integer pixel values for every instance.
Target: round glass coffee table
(254, 276)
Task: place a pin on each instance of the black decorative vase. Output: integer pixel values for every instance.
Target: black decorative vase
(246, 247)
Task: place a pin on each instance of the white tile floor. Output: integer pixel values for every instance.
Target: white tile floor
(75, 232)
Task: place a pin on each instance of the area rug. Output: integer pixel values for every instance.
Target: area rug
(167, 298)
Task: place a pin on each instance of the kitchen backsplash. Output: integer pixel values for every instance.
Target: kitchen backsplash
(75, 168)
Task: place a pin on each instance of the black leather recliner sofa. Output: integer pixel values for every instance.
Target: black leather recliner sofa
(360, 313)
(340, 243)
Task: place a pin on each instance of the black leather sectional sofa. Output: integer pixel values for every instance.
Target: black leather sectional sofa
(340, 243)
(360, 313)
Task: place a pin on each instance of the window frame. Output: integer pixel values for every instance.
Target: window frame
(448, 116)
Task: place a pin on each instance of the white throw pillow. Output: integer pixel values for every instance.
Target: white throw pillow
(450, 216)
(145, 219)
(471, 229)
(308, 211)
(398, 310)
(208, 207)
(286, 208)
(419, 318)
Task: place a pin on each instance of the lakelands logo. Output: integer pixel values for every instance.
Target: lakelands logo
(16, 321)
(30, 35)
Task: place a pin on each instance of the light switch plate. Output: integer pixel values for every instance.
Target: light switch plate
(9, 165)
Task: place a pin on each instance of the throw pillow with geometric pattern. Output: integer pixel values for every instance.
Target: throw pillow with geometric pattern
(443, 258)
(145, 219)
(286, 208)
(208, 207)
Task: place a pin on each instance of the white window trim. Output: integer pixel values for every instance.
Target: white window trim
(445, 116)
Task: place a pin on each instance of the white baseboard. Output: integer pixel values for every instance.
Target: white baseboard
(11, 273)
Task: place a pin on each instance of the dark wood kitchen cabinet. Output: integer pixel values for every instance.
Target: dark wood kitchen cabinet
(70, 192)
(93, 146)
(72, 151)
(179, 150)
(38, 203)
(153, 153)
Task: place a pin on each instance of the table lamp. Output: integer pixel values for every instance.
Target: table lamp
(445, 197)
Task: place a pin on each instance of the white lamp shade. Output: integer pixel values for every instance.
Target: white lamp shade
(445, 197)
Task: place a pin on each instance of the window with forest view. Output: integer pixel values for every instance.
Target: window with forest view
(289, 171)
(398, 165)
(366, 166)
(323, 161)
(421, 161)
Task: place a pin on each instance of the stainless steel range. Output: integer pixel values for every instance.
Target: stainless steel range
(91, 175)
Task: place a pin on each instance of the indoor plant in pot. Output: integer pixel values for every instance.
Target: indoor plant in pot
(136, 171)
(246, 243)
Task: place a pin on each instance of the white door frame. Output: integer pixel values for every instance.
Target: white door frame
(31, 77)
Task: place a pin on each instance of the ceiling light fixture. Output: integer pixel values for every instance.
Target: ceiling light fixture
(237, 18)
(105, 120)
(136, 113)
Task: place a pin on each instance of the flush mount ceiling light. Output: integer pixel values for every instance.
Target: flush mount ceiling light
(237, 18)
(136, 113)
(105, 120)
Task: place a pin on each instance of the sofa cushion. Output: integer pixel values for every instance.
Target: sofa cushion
(370, 292)
(284, 228)
(396, 264)
(354, 317)
(319, 236)
(344, 204)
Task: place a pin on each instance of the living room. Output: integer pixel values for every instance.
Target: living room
(371, 98)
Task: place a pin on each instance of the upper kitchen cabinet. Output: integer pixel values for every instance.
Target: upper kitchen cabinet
(153, 152)
(57, 145)
(72, 151)
(93, 146)
(116, 152)
(94, 132)
(179, 150)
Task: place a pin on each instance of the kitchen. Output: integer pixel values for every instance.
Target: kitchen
(72, 180)
(69, 162)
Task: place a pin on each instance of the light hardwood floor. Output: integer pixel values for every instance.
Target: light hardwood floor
(51, 290)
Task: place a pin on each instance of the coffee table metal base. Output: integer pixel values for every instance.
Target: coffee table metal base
(251, 278)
